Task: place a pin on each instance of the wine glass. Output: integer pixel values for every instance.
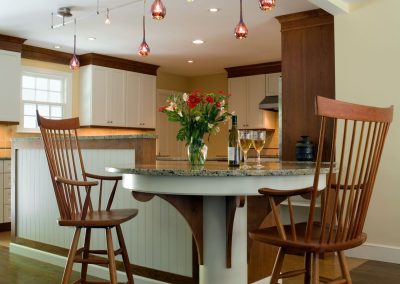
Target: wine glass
(258, 139)
(245, 137)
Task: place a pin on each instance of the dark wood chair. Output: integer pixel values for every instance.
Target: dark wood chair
(358, 138)
(73, 190)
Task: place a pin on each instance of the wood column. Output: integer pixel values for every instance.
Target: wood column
(308, 70)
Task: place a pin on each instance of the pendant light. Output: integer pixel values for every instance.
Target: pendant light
(158, 10)
(266, 5)
(144, 49)
(241, 30)
(107, 21)
(74, 63)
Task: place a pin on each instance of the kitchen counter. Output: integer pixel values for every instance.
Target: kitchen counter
(216, 169)
(98, 137)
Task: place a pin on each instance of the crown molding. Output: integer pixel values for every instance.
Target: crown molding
(11, 43)
(117, 63)
(304, 20)
(255, 69)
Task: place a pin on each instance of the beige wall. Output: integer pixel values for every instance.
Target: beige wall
(173, 82)
(367, 54)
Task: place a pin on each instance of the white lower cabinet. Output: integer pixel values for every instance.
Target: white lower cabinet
(117, 98)
(5, 191)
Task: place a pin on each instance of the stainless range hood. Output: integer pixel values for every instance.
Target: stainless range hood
(269, 103)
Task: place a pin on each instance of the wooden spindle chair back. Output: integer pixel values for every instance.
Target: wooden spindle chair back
(65, 162)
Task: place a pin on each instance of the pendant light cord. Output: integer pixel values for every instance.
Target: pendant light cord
(75, 36)
(241, 17)
(144, 22)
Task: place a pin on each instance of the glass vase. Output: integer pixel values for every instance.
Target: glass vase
(197, 151)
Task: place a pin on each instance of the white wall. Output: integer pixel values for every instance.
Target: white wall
(367, 54)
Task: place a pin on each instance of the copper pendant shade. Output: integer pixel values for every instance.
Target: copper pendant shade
(266, 5)
(241, 30)
(158, 10)
(74, 63)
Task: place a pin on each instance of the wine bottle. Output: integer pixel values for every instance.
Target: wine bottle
(233, 145)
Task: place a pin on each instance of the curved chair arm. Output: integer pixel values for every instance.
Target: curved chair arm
(103, 177)
(284, 193)
(75, 182)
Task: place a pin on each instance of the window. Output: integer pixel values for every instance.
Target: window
(48, 91)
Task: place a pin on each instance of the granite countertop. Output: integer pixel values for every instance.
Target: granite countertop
(181, 168)
(217, 158)
(5, 158)
(101, 137)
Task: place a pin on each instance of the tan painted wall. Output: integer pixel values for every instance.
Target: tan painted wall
(173, 82)
(367, 46)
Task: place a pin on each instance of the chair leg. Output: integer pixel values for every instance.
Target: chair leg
(344, 268)
(315, 268)
(307, 275)
(277, 266)
(71, 256)
(85, 255)
(125, 256)
(111, 257)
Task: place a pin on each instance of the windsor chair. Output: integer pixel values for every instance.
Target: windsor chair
(73, 195)
(359, 134)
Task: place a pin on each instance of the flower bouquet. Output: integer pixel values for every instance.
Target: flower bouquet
(198, 113)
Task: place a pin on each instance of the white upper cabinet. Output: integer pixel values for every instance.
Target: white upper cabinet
(102, 96)
(140, 100)
(117, 98)
(273, 84)
(10, 82)
(247, 92)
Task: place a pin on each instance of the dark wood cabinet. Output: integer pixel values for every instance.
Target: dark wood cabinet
(308, 70)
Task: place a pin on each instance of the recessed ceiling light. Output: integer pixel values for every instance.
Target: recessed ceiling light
(198, 41)
(189, 0)
(214, 10)
(91, 38)
(57, 47)
(190, 61)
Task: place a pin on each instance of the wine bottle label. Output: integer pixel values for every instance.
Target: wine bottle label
(231, 153)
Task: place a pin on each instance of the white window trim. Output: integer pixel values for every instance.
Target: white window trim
(45, 72)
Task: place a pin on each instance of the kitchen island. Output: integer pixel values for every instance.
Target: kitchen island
(212, 199)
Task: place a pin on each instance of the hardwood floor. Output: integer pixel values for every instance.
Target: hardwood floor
(16, 269)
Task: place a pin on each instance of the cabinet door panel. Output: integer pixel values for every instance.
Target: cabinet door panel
(237, 101)
(273, 84)
(99, 96)
(148, 101)
(255, 93)
(10, 81)
(116, 98)
(132, 95)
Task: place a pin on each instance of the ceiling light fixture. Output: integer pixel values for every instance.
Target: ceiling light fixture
(57, 47)
(91, 38)
(241, 30)
(74, 63)
(144, 49)
(107, 21)
(190, 61)
(158, 10)
(214, 10)
(198, 41)
(266, 5)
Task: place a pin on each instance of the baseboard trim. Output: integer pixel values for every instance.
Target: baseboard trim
(378, 252)
(94, 270)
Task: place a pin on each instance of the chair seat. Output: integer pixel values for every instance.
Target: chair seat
(101, 219)
(271, 236)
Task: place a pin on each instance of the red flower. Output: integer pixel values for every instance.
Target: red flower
(193, 101)
(210, 99)
(218, 104)
(161, 109)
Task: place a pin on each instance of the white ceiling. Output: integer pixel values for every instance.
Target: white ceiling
(170, 40)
